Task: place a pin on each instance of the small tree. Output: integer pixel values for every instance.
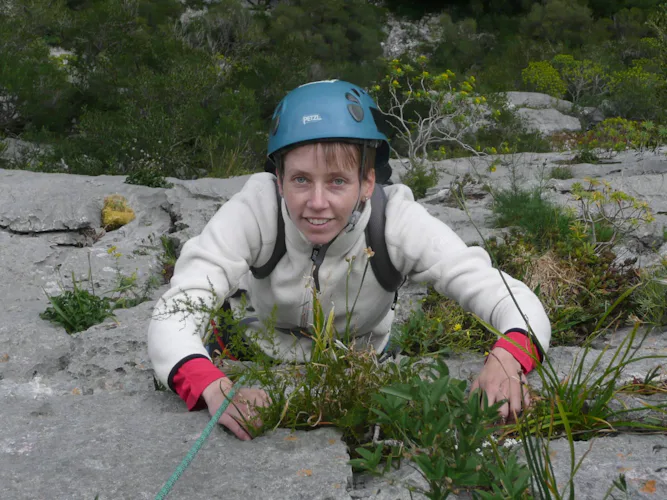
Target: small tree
(427, 110)
(583, 78)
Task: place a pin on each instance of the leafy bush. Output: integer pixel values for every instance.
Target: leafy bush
(561, 173)
(541, 76)
(543, 223)
(440, 326)
(633, 92)
(651, 297)
(428, 419)
(77, 310)
(614, 135)
(37, 88)
(586, 81)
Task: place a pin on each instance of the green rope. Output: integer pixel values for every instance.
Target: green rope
(198, 444)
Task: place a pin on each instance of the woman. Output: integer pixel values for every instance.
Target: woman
(328, 151)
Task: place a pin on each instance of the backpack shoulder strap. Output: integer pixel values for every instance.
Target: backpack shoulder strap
(278, 250)
(387, 275)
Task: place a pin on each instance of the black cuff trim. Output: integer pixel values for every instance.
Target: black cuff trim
(540, 352)
(177, 366)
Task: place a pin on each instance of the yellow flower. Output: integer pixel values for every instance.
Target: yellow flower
(111, 250)
(457, 327)
(395, 83)
(492, 168)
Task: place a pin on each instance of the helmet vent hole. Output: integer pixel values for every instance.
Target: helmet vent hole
(356, 92)
(356, 111)
(350, 97)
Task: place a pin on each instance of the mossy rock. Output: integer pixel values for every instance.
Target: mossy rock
(116, 212)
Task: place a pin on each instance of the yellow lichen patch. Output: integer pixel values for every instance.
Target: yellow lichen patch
(116, 212)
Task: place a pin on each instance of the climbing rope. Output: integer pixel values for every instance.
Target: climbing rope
(198, 444)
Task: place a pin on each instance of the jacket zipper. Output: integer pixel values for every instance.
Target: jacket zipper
(317, 257)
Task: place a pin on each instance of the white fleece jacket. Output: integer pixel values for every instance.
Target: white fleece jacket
(243, 234)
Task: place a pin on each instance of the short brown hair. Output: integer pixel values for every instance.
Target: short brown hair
(346, 154)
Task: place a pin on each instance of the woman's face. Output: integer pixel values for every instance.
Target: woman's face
(320, 197)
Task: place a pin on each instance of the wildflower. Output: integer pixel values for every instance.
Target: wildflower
(492, 168)
(457, 327)
(369, 252)
(395, 83)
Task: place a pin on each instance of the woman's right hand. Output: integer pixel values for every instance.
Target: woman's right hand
(241, 411)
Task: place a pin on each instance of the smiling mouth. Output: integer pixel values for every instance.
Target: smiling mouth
(317, 222)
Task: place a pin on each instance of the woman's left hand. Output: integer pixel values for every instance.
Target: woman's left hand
(502, 379)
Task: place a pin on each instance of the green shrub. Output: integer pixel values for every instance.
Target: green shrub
(542, 77)
(77, 310)
(561, 173)
(651, 297)
(614, 135)
(634, 92)
(544, 223)
(586, 81)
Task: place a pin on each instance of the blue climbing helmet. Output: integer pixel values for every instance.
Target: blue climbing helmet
(330, 110)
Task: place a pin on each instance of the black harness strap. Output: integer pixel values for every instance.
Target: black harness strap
(387, 275)
(280, 247)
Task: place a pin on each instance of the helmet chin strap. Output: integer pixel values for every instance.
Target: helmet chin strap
(356, 213)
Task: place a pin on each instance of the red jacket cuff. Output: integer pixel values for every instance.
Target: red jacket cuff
(521, 348)
(192, 378)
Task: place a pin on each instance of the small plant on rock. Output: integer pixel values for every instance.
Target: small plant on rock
(651, 297)
(561, 173)
(78, 309)
(607, 215)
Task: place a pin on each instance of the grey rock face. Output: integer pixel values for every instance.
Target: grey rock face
(548, 121)
(80, 413)
(537, 100)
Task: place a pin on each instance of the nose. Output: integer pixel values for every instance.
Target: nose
(318, 197)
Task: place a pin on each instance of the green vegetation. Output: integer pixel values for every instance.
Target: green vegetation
(78, 309)
(149, 90)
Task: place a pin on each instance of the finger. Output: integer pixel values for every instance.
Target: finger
(503, 411)
(526, 392)
(516, 396)
(234, 427)
(246, 415)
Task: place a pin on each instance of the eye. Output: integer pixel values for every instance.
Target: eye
(300, 179)
(339, 182)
